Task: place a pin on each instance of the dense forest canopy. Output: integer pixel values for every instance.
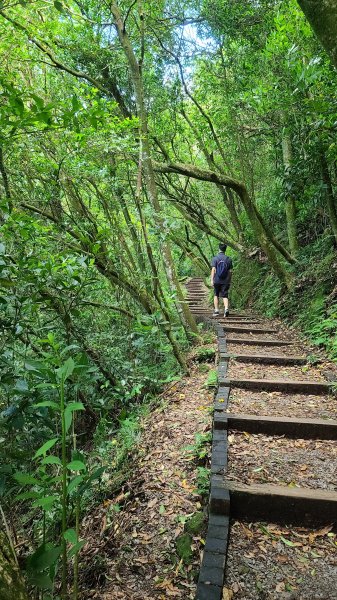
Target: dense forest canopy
(136, 136)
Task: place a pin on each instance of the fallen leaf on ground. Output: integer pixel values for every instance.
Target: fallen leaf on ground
(280, 587)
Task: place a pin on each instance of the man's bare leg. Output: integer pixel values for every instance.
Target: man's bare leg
(216, 304)
(225, 305)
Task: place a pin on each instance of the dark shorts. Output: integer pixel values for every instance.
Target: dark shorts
(221, 289)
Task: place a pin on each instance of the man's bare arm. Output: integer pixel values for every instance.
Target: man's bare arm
(212, 275)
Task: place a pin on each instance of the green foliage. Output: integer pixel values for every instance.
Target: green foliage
(212, 379)
(308, 305)
(203, 479)
(92, 249)
(195, 523)
(200, 448)
(184, 547)
(204, 354)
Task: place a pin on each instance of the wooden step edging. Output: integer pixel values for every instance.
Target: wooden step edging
(282, 504)
(266, 359)
(318, 388)
(259, 342)
(290, 427)
(246, 329)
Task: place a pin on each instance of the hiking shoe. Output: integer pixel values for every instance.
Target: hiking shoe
(226, 313)
(215, 313)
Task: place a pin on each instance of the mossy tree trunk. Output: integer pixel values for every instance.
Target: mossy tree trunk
(12, 585)
(329, 194)
(322, 16)
(290, 202)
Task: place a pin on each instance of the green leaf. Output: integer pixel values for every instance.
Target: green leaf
(27, 496)
(59, 6)
(74, 406)
(287, 542)
(51, 460)
(26, 479)
(68, 417)
(46, 502)
(41, 580)
(48, 403)
(95, 475)
(76, 465)
(76, 548)
(44, 449)
(66, 370)
(70, 536)
(44, 557)
(75, 483)
(6, 283)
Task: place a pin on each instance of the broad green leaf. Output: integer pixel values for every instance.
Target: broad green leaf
(27, 496)
(47, 446)
(76, 465)
(59, 6)
(41, 580)
(44, 557)
(75, 483)
(68, 417)
(51, 460)
(46, 502)
(66, 370)
(72, 406)
(95, 475)
(48, 403)
(26, 479)
(70, 536)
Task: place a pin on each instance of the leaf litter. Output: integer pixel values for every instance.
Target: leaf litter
(280, 404)
(257, 458)
(268, 561)
(138, 546)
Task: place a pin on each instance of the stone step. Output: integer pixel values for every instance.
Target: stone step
(279, 385)
(266, 359)
(260, 342)
(283, 504)
(322, 429)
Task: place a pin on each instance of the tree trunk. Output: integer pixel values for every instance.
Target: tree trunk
(226, 194)
(290, 203)
(330, 199)
(135, 71)
(12, 586)
(229, 200)
(260, 230)
(322, 16)
(261, 233)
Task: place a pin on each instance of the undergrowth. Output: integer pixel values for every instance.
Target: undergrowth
(311, 305)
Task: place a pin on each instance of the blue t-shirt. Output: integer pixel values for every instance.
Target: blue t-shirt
(228, 261)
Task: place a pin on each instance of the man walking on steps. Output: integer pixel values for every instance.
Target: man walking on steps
(221, 278)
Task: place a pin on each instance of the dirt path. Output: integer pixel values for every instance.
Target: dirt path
(141, 555)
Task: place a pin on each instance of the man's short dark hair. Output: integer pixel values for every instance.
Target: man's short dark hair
(222, 247)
